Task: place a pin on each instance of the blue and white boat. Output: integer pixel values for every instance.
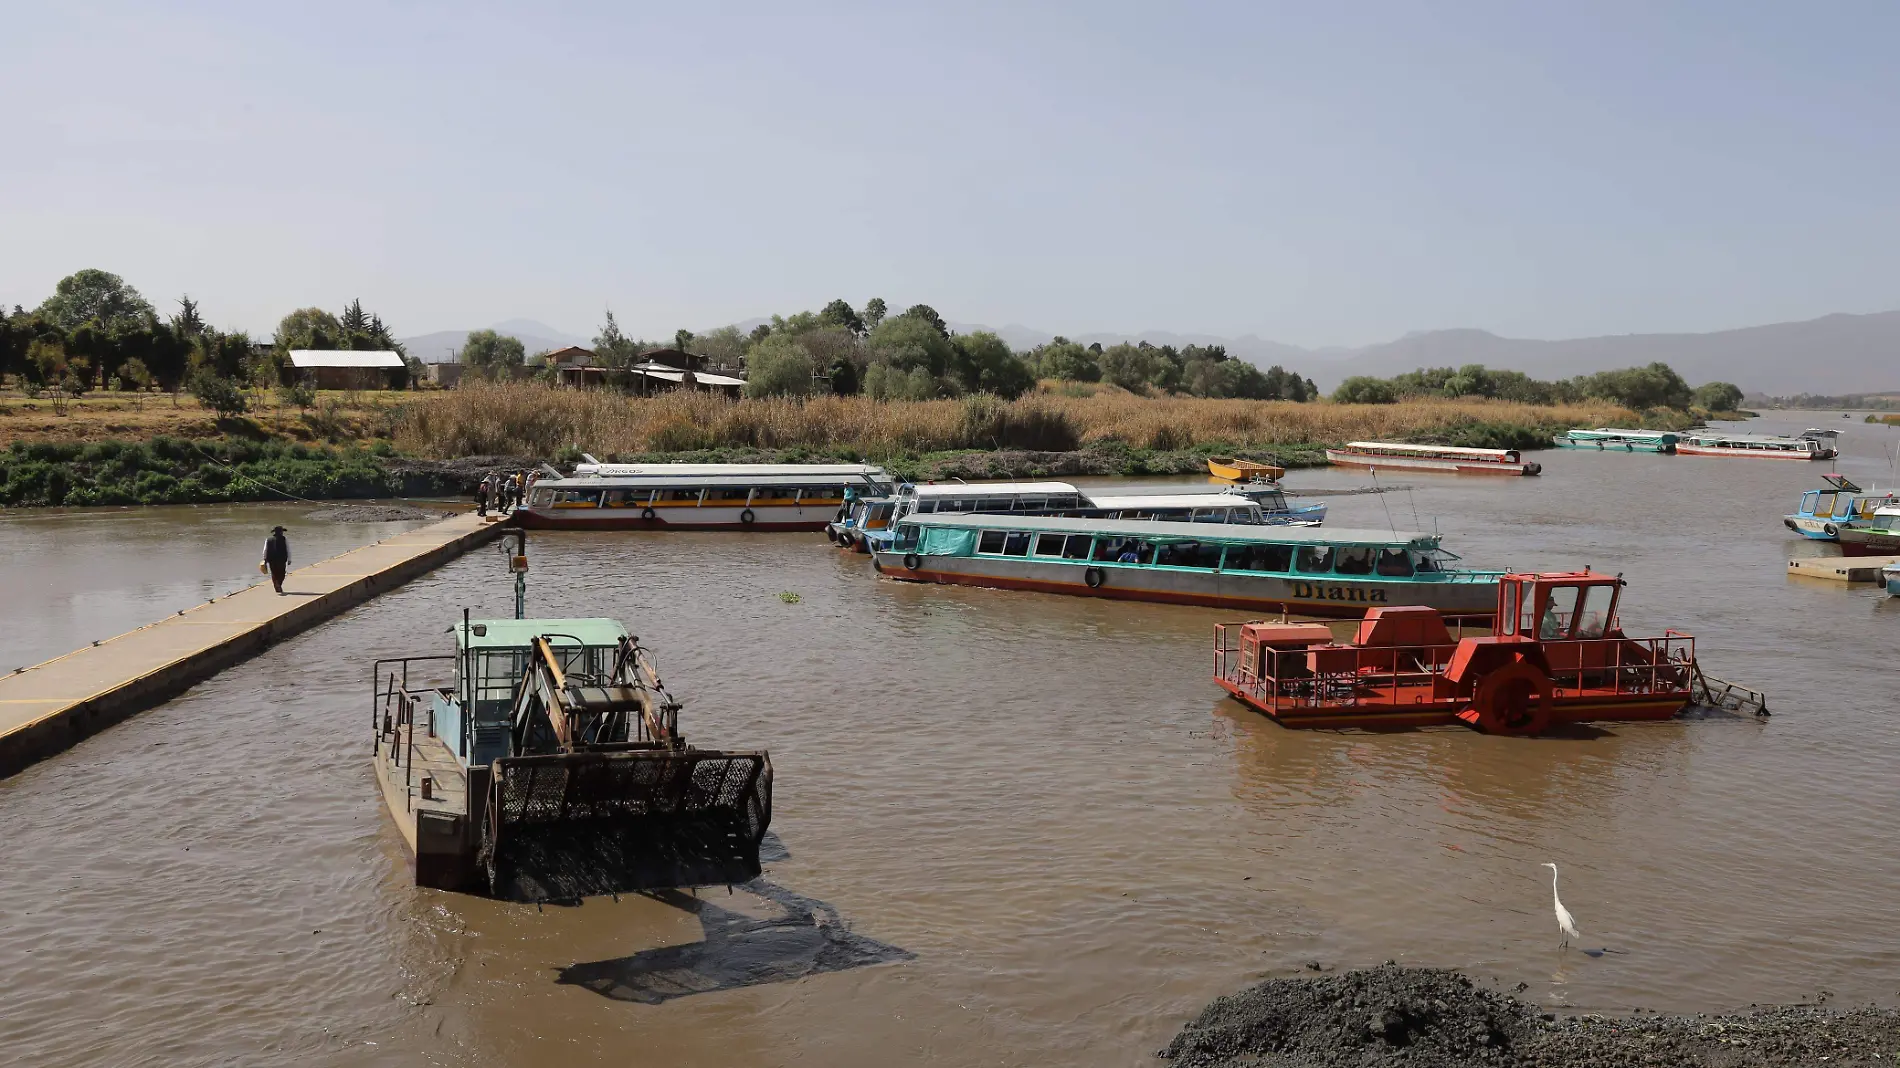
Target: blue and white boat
(1825, 512)
(1890, 576)
(1250, 504)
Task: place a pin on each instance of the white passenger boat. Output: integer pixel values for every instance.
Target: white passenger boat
(1433, 458)
(697, 496)
(1301, 570)
(1759, 446)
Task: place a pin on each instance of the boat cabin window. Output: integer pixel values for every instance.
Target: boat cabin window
(1507, 615)
(991, 541)
(1259, 558)
(1559, 612)
(728, 493)
(1016, 544)
(1823, 504)
(1246, 516)
(1197, 554)
(1353, 560)
(1210, 515)
(1077, 547)
(540, 498)
(1124, 551)
(1049, 544)
(1424, 563)
(680, 495)
(1315, 559)
(1271, 501)
(1393, 563)
(617, 498)
(1593, 617)
(577, 498)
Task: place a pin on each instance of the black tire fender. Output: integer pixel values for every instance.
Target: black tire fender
(1830, 530)
(747, 517)
(1093, 576)
(648, 513)
(912, 561)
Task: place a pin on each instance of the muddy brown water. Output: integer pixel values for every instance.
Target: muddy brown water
(1009, 828)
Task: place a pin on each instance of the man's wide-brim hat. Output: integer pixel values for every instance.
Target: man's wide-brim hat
(277, 530)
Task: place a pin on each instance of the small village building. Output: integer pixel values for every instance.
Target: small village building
(576, 367)
(348, 369)
(666, 369)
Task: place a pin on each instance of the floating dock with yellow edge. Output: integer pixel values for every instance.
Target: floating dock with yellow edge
(50, 707)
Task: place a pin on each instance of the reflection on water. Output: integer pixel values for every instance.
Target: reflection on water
(1041, 800)
(804, 938)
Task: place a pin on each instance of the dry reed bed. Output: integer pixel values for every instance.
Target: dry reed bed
(537, 420)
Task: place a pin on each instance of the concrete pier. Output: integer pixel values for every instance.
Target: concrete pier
(50, 707)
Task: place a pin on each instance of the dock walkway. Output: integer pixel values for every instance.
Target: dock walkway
(1841, 568)
(52, 706)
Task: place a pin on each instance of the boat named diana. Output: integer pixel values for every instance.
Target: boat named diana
(1300, 570)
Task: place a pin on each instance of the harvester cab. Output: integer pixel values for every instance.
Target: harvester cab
(1559, 606)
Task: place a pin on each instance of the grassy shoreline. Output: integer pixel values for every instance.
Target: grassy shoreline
(434, 443)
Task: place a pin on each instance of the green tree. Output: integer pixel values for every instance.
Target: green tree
(724, 347)
(1718, 397)
(760, 333)
(1364, 389)
(909, 342)
(308, 328)
(188, 323)
(883, 381)
(1066, 360)
(94, 294)
(683, 340)
(1640, 388)
(779, 367)
(134, 374)
(983, 363)
(613, 348)
(874, 312)
(844, 377)
(217, 392)
(1137, 367)
(840, 313)
(354, 321)
(928, 314)
(490, 355)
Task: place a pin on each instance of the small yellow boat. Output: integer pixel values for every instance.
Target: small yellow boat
(1242, 470)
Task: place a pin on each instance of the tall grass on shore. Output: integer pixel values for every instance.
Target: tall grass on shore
(525, 419)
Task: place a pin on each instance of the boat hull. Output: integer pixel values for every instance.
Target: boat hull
(1816, 528)
(1425, 463)
(1423, 710)
(1861, 542)
(1325, 596)
(665, 517)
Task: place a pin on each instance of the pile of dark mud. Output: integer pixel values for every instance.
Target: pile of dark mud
(1436, 1019)
(374, 513)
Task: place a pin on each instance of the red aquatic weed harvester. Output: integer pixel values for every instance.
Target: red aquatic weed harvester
(1557, 656)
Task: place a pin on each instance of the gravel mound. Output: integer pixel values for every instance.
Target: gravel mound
(373, 513)
(1428, 1017)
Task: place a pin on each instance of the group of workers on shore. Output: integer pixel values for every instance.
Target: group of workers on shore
(503, 492)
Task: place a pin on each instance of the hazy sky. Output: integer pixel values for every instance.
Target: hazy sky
(1314, 173)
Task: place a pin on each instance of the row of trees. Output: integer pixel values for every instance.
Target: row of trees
(914, 355)
(1639, 388)
(98, 332)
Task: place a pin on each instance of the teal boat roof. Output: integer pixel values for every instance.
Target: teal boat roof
(517, 633)
(1148, 530)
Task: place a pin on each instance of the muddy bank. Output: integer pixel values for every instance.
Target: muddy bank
(1433, 1018)
(374, 513)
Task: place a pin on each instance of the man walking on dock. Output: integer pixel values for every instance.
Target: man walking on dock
(277, 557)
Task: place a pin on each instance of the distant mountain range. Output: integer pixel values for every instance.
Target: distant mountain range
(441, 346)
(1833, 354)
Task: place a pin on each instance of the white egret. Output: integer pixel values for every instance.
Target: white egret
(1568, 925)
